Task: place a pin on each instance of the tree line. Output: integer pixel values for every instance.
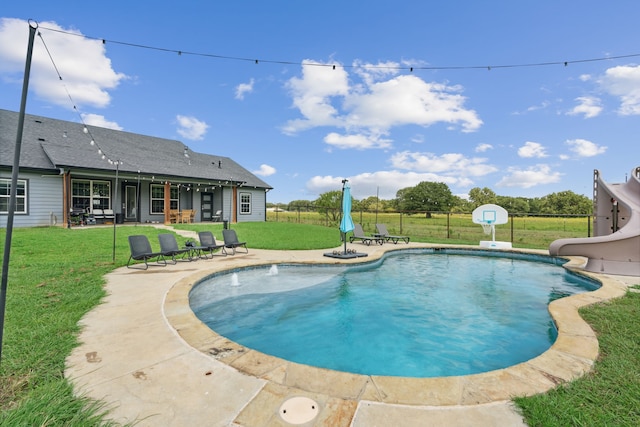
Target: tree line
(437, 197)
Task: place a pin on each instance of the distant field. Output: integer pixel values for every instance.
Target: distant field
(523, 231)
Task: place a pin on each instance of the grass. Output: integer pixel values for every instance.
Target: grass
(56, 276)
(610, 394)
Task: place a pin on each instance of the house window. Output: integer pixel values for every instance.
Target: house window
(157, 199)
(21, 196)
(245, 203)
(89, 194)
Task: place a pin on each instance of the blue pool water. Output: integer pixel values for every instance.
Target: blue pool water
(415, 313)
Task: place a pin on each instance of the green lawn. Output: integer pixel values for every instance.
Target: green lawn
(56, 276)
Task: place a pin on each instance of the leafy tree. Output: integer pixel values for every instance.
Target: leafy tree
(461, 205)
(514, 204)
(566, 203)
(330, 203)
(372, 203)
(482, 196)
(426, 196)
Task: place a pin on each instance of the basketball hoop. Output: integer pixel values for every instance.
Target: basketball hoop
(487, 227)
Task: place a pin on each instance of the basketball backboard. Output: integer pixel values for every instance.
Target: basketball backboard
(490, 214)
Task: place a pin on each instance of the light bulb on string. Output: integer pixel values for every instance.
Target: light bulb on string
(85, 130)
(92, 143)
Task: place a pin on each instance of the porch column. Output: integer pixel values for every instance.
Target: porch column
(167, 202)
(234, 205)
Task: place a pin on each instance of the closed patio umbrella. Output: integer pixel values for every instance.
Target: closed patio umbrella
(346, 224)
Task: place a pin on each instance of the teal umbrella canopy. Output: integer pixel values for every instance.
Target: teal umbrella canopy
(346, 224)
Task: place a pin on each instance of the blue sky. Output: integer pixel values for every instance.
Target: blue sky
(421, 91)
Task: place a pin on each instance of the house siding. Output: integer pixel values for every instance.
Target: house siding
(44, 201)
(258, 205)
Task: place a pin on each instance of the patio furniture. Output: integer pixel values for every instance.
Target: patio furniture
(382, 231)
(141, 251)
(174, 216)
(169, 248)
(231, 241)
(186, 216)
(358, 234)
(208, 243)
(109, 216)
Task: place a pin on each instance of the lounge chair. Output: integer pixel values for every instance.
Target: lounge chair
(358, 234)
(231, 241)
(208, 244)
(169, 248)
(382, 231)
(141, 251)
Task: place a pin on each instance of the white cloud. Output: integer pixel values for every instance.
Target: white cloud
(191, 128)
(588, 106)
(382, 100)
(359, 141)
(481, 148)
(532, 149)
(265, 170)
(86, 71)
(584, 148)
(530, 177)
(450, 164)
(624, 82)
(101, 121)
(244, 88)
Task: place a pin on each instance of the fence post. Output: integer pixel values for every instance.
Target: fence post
(511, 221)
(448, 226)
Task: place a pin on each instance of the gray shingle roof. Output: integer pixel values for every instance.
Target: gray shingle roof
(49, 144)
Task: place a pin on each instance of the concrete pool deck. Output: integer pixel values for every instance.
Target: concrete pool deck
(153, 363)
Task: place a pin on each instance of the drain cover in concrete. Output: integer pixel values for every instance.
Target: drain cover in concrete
(298, 410)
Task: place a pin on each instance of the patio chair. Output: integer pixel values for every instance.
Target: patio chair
(231, 241)
(358, 234)
(98, 214)
(141, 251)
(169, 248)
(382, 231)
(217, 217)
(185, 216)
(174, 215)
(109, 216)
(208, 243)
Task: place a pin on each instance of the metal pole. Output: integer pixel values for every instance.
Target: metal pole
(33, 26)
(115, 210)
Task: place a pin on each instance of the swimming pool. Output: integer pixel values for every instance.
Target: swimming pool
(406, 314)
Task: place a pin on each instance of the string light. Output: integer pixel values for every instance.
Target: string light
(85, 129)
(333, 66)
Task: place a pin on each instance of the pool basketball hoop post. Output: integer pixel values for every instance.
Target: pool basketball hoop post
(488, 216)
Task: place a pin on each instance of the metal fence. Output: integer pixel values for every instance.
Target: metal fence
(522, 230)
